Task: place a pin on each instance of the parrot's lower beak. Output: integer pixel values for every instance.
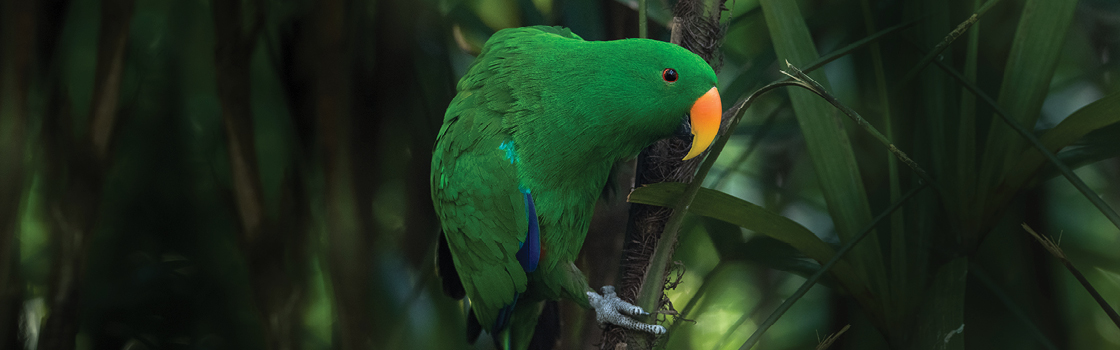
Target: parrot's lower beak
(704, 118)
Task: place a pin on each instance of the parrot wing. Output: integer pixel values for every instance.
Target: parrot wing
(489, 219)
(485, 214)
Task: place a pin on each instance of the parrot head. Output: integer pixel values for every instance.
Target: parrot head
(688, 81)
(601, 99)
(650, 85)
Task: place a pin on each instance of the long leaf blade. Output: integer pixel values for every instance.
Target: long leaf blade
(1030, 66)
(1092, 117)
(828, 144)
(725, 207)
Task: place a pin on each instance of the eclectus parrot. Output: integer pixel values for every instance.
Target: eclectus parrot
(526, 149)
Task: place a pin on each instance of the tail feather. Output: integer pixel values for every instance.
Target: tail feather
(547, 332)
(504, 315)
(474, 328)
(445, 268)
(524, 324)
(529, 325)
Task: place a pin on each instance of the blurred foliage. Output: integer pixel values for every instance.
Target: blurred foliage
(137, 137)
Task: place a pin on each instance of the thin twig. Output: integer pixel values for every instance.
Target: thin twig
(1054, 249)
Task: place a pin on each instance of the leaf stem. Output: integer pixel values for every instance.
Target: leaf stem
(1058, 253)
(944, 44)
(643, 20)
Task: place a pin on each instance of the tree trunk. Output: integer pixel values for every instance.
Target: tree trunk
(17, 25)
(696, 27)
(76, 171)
(274, 248)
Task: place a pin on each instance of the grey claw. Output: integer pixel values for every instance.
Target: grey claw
(608, 307)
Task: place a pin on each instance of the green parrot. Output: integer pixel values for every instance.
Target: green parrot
(526, 148)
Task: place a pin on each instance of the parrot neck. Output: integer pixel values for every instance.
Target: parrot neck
(571, 169)
(567, 167)
(576, 154)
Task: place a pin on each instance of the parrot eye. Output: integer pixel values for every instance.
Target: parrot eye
(669, 74)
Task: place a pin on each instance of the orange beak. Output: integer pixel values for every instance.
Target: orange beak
(705, 116)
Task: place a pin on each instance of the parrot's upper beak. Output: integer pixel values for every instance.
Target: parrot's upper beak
(705, 116)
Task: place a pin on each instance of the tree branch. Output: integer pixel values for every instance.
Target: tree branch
(701, 33)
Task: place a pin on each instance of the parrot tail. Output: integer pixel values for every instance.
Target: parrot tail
(504, 315)
(445, 268)
(536, 326)
(474, 328)
(547, 332)
(532, 326)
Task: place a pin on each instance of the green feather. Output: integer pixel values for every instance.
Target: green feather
(543, 110)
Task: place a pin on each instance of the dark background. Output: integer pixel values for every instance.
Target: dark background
(253, 174)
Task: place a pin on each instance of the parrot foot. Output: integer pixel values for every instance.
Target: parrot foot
(609, 309)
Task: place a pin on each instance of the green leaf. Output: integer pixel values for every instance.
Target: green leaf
(1030, 66)
(1007, 191)
(778, 255)
(1104, 143)
(718, 205)
(965, 174)
(827, 141)
(760, 250)
(1093, 116)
